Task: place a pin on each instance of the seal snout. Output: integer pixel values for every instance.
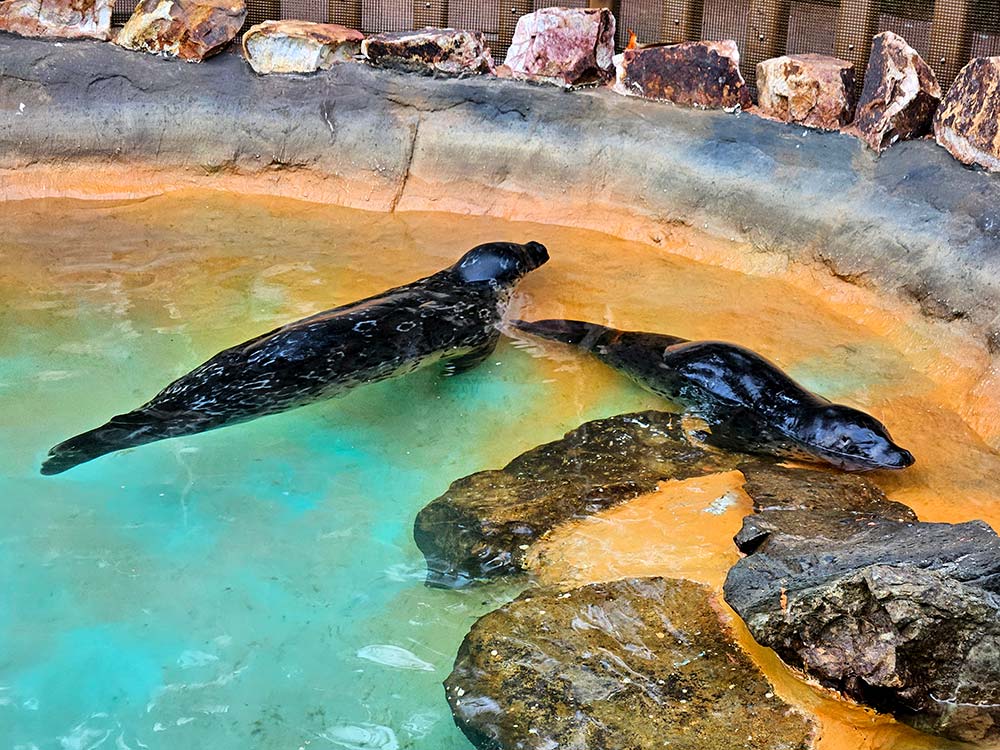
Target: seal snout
(898, 458)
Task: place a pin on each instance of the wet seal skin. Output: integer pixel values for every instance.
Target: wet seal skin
(453, 315)
(748, 403)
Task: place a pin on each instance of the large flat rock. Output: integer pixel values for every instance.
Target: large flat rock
(636, 664)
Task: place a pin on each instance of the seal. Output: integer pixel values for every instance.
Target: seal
(453, 315)
(748, 403)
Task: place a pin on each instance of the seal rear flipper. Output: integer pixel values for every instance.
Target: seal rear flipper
(474, 358)
(123, 431)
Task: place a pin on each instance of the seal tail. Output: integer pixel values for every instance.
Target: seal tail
(574, 332)
(124, 431)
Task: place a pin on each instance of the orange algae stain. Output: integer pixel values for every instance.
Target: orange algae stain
(683, 530)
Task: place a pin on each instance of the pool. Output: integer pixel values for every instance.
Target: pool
(259, 585)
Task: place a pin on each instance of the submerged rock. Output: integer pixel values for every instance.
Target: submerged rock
(189, 29)
(698, 74)
(299, 46)
(633, 664)
(564, 46)
(900, 94)
(966, 123)
(485, 524)
(812, 90)
(67, 19)
(451, 52)
(850, 587)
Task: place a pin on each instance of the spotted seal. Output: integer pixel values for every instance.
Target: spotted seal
(453, 315)
(748, 403)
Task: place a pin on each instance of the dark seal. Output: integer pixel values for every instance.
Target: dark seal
(748, 403)
(453, 315)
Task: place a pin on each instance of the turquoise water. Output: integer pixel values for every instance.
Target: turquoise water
(256, 586)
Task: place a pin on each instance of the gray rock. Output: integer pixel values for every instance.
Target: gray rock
(630, 665)
(484, 525)
(851, 588)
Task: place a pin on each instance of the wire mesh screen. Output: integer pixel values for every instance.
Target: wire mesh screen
(947, 33)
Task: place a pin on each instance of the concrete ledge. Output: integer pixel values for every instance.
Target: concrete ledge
(913, 223)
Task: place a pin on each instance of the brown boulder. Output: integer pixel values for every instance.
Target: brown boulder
(636, 663)
(189, 29)
(812, 90)
(968, 121)
(452, 52)
(67, 19)
(900, 94)
(299, 46)
(564, 46)
(698, 74)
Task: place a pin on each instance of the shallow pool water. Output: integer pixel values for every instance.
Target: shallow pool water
(258, 586)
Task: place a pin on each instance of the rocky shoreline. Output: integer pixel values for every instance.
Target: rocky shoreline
(848, 587)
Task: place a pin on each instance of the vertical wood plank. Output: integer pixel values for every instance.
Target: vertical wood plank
(345, 12)
(857, 22)
(430, 13)
(681, 21)
(951, 39)
(767, 31)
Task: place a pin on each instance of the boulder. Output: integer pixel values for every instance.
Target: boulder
(812, 90)
(432, 51)
(564, 46)
(299, 46)
(189, 29)
(485, 524)
(66, 19)
(966, 121)
(696, 74)
(851, 588)
(633, 664)
(899, 96)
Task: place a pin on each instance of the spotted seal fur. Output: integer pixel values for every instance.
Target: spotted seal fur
(453, 315)
(748, 403)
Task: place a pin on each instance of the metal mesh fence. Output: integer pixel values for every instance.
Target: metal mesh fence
(947, 33)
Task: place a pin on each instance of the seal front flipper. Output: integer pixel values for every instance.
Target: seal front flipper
(466, 362)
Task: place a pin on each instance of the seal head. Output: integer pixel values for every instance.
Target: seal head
(502, 262)
(852, 440)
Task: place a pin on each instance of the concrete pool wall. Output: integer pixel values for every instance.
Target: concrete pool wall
(911, 228)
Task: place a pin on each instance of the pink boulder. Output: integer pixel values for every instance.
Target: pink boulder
(564, 46)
